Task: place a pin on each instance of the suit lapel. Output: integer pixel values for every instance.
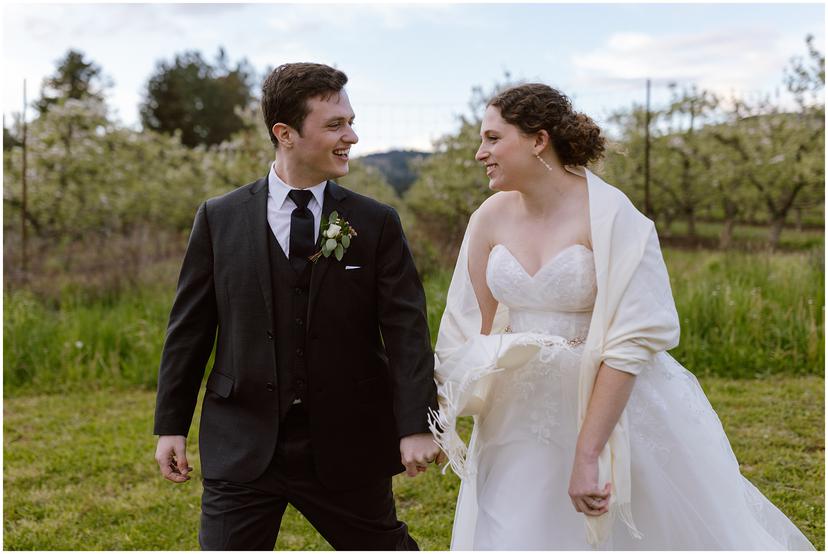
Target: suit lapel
(257, 223)
(334, 194)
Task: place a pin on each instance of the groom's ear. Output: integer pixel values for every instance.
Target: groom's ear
(284, 134)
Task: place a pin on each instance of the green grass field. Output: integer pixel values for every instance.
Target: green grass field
(80, 475)
(751, 237)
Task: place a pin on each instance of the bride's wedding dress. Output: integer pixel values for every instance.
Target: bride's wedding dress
(686, 489)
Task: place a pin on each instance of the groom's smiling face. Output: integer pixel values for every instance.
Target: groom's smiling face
(322, 150)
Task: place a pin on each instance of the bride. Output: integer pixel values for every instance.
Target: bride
(558, 319)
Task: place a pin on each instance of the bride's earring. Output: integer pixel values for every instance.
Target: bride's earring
(549, 167)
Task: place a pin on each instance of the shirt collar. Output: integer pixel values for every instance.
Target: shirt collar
(278, 189)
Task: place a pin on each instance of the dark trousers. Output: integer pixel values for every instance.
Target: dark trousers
(247, 516)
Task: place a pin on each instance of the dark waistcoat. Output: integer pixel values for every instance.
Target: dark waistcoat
(290, 307)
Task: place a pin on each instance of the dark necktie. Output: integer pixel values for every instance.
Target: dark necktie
(301, 230)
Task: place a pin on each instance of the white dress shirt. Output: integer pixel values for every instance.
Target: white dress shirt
(280, 207)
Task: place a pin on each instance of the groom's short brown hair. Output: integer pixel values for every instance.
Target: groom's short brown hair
(286, 91)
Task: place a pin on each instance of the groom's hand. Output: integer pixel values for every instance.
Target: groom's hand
(171, 456)
(417, 451)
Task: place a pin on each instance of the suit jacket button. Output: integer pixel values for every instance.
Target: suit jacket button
(269, 387)
(269, 335)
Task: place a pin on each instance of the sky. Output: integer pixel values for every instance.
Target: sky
(412, 67)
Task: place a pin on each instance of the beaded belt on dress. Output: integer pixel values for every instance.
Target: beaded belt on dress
(571, 342)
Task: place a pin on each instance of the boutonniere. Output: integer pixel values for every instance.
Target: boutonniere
(335, 237)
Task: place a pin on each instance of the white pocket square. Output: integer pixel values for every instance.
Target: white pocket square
(347, 267)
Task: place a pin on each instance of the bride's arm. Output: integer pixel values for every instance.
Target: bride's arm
(610, 394)
(479, 248)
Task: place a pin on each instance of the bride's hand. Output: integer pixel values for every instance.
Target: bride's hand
(584, 491)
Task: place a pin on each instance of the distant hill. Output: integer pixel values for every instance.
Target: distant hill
(396, 166)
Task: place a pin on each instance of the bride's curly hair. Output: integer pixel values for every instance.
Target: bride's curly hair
(576, 138)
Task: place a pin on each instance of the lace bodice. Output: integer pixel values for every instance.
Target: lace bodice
(557, 300)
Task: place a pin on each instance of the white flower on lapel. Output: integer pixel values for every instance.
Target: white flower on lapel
(337, 234)
(332, 231)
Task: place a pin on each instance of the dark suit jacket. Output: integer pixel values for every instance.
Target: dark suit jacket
(369, 359)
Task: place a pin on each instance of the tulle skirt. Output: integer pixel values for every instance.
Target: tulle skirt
(687, 490)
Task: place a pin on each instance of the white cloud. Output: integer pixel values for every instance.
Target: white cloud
(307, 18)
(626, 42)
(742, 59)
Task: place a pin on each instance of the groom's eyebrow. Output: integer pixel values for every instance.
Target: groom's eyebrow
(340, 118)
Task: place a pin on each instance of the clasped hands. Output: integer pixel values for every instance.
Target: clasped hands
(419, 450)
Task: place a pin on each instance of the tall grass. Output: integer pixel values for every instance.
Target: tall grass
(84, 344)
(742, 315)
(749, 315)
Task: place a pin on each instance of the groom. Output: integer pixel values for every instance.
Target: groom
(323, 371)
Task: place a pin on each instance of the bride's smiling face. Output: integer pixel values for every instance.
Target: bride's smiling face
(506, 153)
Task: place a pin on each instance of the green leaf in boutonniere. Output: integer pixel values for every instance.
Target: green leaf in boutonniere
(335, 237)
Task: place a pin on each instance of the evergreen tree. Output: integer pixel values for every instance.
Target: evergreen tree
(75, 78)
(197, 98)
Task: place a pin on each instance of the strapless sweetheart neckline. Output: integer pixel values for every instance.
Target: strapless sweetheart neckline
(544, 265)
